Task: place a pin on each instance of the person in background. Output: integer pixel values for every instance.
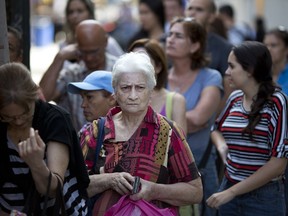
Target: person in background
(15, 45)
(152, 21)
(204, 11)
(202, 88)
(97, 94)
(16, 50)
(92, 56)
(140, 142)
(237, 33)
(169, 104)
(276, 41)
(253, 127)
(75, 12)
(173, 8)
(37, 141)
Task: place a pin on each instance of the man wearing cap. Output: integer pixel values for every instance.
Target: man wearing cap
(90, 55)
(96, 92)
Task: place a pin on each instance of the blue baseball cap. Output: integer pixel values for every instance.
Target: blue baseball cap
(97, 80)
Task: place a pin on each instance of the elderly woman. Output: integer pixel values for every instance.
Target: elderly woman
(38, 149)
(140, 142)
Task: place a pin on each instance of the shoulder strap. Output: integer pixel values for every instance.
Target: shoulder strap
(169, 100)
(100, 138)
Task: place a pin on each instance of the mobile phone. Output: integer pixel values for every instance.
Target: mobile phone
(136, 185)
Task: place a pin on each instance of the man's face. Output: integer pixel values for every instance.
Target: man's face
(95, 104)
(93, 54)
(200, 10)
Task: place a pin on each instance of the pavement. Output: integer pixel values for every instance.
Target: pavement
(40, 59)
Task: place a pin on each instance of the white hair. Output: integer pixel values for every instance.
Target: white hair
(134, 62)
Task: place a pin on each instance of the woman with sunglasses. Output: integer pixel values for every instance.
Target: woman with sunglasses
(38, 145)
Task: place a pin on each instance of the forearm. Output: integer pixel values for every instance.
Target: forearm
(272, 169)
(49, 79)
(40, 176)
(98, 184)
(178, 194)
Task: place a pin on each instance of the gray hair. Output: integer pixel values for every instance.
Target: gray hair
(134, 62)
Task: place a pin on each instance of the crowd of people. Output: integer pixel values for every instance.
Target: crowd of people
(188, 119)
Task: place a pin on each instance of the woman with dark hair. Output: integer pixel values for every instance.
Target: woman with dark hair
(167, 103)
(202, 88)
(254, 129)
(152, 21)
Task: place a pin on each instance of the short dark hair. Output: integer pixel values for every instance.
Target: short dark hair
(227, 10)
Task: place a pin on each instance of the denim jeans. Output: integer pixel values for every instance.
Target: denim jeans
(267, 200)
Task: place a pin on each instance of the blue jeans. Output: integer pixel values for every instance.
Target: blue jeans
(267, 200)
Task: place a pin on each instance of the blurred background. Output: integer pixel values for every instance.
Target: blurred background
(42, 22)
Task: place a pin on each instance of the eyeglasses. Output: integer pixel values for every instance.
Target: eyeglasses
(94, 52)
(24, 116)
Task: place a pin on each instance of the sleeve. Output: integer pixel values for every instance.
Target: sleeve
(182, 166)
(278, 130)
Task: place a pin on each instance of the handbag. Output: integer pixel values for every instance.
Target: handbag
(32, 205)
(125, 206)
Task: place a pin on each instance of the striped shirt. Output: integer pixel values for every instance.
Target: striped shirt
(12, 196)
(246, 156)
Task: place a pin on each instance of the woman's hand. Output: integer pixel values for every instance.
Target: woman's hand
(145, 191)
(32, 150)
(121, 182)
(218, 199)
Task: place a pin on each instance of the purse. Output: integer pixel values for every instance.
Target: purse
(32, 205)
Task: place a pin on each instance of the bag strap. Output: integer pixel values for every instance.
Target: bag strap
(46, 196)
(169, 104)
(59, 200)
(100, 138)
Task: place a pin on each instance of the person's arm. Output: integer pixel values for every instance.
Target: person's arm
(220, 144)
(272, 169)
(205, 108)
(32, 152)
(179, 111)
(171, 193)
(49, 80)
(120, 182)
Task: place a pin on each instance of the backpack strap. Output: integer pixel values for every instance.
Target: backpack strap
(100, 138)
(169, 104)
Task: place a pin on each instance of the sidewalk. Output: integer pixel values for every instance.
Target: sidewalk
(40, 59)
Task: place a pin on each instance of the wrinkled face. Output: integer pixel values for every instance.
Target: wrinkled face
(199, 9)
(95, 104)
(276, 47)
(238, 77)
(77, 12)
(17, 116)
(177, 43)
(132, 93)
(147, 18)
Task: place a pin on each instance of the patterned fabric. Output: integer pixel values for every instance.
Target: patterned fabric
(72, 102)
(269, 138)
(157, 152)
